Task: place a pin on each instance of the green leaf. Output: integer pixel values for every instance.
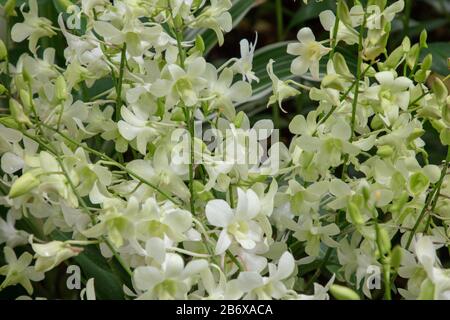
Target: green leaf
(238, 11)
(108, 285)
(310, 11)
(441, 53)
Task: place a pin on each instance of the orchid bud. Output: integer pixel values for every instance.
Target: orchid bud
(446, 112)
(333, 81)
(406, 44)
(427, 290)
(427, 62)
(355, 214)
(3, 51)
(60, 89)
(2, 89)
(440, 90)
(423, 39)
(199, 44)
(340, 65)
(343, 13)
(178, 115)
(385, 151)
(9, 8)
(396, 257)
(239, 118)
(385, 241)
(25, 99)
(394, 58)
(25, 183)
(445, 136)
(411, 58)
(50, 255)
(417, 133)
(343, 293)
(17, 112)
(418, 183)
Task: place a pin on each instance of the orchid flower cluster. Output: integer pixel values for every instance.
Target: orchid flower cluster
(352, 190)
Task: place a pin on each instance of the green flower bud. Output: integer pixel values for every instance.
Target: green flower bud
(376, 123)
(446, 112)
(9, 8)
(423, 39)
(396, 257)
(24, 184)
(366, 193)
(417, 133)
(9, 122)
(200, 191)
(421, 75)
(178, 115)
(406, 44)
(26, 76)
(161, 108)
(385, 241)
(418, 183)
(2, 89)
(50, 255)
(199, 44)
(340, 65)
(239, 118)
(445, 136)
(385, 151)
(394, 58)
(343, 293)
(439, 125)
(413, 53)
(333, 81)
(25, 99)
(427, 62)
(16, 110)
(3, 51)
(439, 90)
(355, 214)
(60, 89)
(400, 202)
(426, 290)
(343, 13)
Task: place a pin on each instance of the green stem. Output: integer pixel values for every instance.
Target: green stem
(190, 119)
(280, 22)
(356, 94)
(119, 83)
(334, 40)
(432, 199)
(407, 17)
(384, 262)
(319, 269)
(280, 36)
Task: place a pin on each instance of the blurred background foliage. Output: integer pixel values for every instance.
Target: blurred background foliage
(275, 22)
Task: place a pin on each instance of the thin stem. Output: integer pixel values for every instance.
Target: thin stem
(190, 119)
(406, 17)
(119, 83)
(356, 94)
(333, 39)
(280, 22)
(384, 262)
(319, 269)
(432, 199)
(280, 27)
